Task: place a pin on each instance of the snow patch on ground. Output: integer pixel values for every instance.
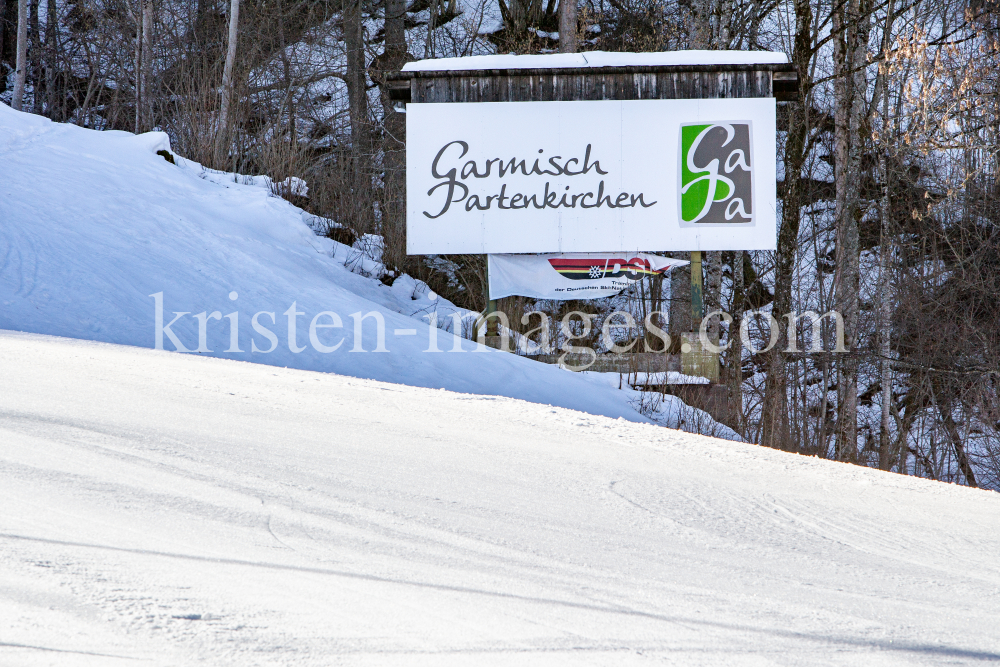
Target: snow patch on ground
(165, 509)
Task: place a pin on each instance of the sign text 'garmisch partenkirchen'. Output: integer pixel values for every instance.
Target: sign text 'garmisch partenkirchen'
(448, 176)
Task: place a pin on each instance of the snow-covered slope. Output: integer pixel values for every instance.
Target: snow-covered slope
(166, 509)
(94, 224)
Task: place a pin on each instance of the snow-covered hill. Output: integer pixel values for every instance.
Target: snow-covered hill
(98, 233)
(167, 509)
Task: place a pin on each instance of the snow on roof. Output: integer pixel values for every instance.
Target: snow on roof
(599, 59)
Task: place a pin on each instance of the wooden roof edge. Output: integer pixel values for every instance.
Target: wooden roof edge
(548, 71)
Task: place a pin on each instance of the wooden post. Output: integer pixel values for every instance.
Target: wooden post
(492, 323)
(695, 359)
(697, 303)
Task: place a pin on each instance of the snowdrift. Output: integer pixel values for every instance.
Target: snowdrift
(99, 235)
(166, 509)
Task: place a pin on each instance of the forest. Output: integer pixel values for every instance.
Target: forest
(888, 178)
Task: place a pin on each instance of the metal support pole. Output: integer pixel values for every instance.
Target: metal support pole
(697, 304)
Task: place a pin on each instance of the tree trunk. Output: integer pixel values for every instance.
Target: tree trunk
(199, 34)
(3, 40)
(147, 65)
(567, 26)
(680, 300)
(223, 134)
(904, 423)
(700, 29)
(848, 45)
(357, 89)
(735, 353)
(51, 53)
(885, 301)
(432, 11)
(34, 56)
(956, 440)
(885, 311)
(394, 141)
(774, 429)
(725, 28)
(21, 67)
(137, 56)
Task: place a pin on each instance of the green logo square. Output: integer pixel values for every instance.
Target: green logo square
(716, 173)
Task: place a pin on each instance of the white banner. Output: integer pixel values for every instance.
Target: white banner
(572, 276)
(529, 177)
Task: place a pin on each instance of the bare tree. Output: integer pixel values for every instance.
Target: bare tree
(394, 140)
(136, 16)
(21, 70)
(735, 353)
(850, 57)
(145, 112)
(51, 58)
(222, 137)
(885, 300)
(357, 87)
(774, 413)
(34, 55)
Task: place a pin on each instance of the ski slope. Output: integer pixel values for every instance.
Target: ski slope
(168, 509)
(94, 225)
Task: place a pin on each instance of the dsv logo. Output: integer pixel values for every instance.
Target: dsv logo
(716, 173)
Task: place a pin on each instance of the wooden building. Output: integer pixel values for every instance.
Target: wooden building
(445, 80)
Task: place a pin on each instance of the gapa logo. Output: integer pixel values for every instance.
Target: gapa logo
(716, 183)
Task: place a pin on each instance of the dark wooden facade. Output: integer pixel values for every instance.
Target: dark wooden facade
(606, 83)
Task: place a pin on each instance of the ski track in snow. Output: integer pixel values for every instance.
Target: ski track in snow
(166, 509)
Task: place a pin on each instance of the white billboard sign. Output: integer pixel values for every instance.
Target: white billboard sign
(619, 176)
